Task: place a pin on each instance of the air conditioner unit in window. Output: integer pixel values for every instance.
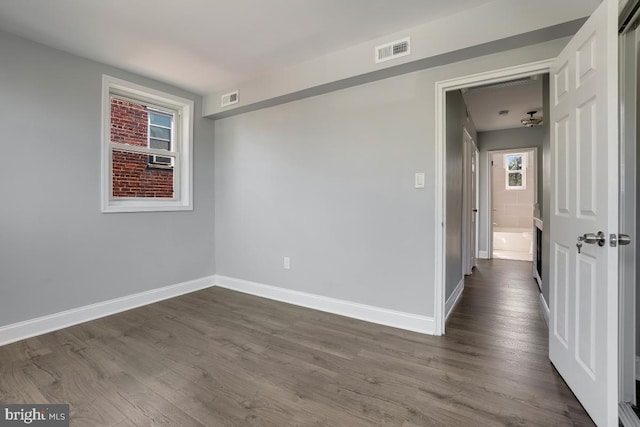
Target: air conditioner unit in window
(160, 160)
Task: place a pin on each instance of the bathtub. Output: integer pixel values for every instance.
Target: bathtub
(513, 239)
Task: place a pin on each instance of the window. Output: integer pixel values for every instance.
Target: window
(160, 136)
(515, 167)
(146, 149)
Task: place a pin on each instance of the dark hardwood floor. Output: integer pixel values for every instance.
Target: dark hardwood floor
(217, 357)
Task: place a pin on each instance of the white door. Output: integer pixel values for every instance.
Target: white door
(469, 204)
(583, 338)
(474, 206)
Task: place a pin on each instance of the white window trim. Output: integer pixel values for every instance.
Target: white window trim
(183, 170)
(521, 171)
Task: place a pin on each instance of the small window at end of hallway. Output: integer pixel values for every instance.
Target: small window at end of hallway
(515, 170)
(146, 149)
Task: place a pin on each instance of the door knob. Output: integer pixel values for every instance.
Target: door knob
(591, 238)
(624, 239)
(620, 239)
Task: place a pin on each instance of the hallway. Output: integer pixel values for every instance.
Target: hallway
(498, 320)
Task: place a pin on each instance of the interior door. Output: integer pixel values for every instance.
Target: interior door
(474, 207)
(583, 338)
(468, 204)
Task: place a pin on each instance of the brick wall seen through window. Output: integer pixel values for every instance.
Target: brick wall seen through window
(133, 175)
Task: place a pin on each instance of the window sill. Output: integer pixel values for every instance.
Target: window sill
(116, 206)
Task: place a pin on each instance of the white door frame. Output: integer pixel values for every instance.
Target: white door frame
(442, 87)
(628, 172)
(489, 201)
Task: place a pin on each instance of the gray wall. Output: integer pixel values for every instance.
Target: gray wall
(457, 120)
(502, 140)
(57, 250)
(328, 181)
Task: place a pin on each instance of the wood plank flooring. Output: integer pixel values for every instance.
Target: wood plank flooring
(222, 358)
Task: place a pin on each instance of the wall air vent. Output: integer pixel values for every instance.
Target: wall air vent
(393, 50)
(230, 99)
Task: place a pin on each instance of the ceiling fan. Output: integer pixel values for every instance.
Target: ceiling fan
(531, 121)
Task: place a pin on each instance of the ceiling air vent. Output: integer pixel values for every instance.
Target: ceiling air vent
(229, 99)
(393, 50)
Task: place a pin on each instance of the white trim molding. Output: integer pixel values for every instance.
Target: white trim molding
(627, 416)
(544, 308)
(483, 255)
(454, 298)
(441, 89)
(382, 316)
(537, 278)
(53, 322)
(637, 368)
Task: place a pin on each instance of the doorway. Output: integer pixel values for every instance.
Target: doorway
(512, 193)
(497, 77)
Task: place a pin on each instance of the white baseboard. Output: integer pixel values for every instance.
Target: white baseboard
(483, 254)
(383, 316)
(453, 299)
(537, 277)
(53, 322)
(544, 308)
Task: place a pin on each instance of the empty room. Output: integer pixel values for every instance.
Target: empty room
(230, 213)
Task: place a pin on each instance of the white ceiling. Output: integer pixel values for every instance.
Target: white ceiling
(208, 45)
(484, 103)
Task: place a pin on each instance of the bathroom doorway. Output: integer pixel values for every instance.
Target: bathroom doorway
(513, 200)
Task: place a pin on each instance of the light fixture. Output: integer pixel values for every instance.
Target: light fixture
(531, 121)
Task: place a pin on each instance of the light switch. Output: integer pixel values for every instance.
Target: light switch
(419, 179)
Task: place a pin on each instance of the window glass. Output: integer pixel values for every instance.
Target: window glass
(515, 180)
(514, 165)
(132, 178)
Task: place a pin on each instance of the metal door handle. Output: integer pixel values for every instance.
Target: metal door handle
(474, 210)
(591, 238)
(620, 239)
